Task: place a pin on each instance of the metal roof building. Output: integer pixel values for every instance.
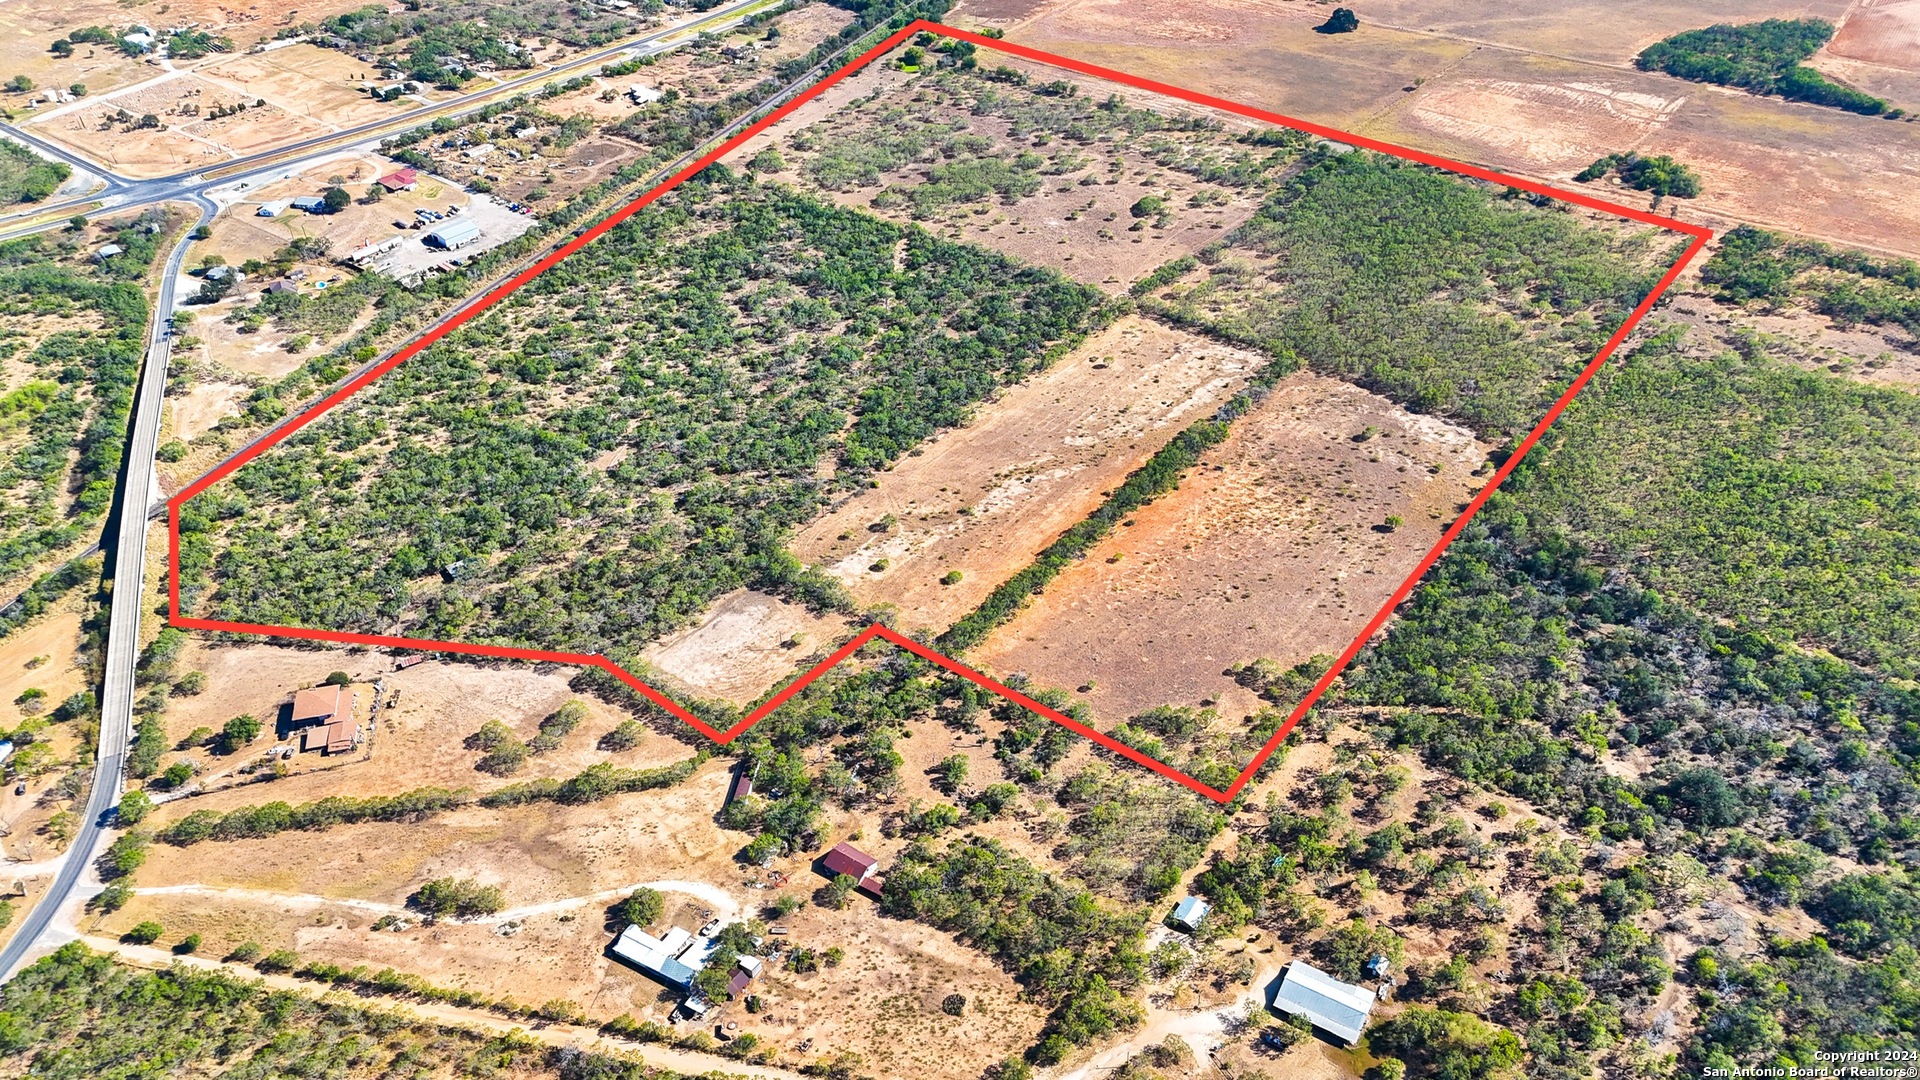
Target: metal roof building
(658, 957)
(1190, 911)
(454, 234)
(1337, 1008)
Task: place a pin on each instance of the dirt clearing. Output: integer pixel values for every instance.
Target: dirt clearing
(982, 500)
(185, 130)
(747, 642)
(976, 161)
(429, 711)
(1801, 168)
(1280, 544)
(324, 85)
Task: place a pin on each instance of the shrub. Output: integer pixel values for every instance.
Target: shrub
(145, 933)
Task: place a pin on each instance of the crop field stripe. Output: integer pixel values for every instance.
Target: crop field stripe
(1700, 233)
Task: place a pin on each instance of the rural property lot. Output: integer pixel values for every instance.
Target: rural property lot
(1281, 544)
(981, 500)
(1325, 497)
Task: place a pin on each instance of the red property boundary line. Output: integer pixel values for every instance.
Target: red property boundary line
(1699, 233)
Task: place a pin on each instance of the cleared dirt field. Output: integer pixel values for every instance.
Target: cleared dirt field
(1881, 32)
(201, 409)
(324, 85)
(1275, 546)
(28, 27)
(1554, 85)
(188, 135)
(1877, 48)
(1261, 52)
(431, 708)
(983, 499)
(1805, 169)
(747, 642)
(1552, 126)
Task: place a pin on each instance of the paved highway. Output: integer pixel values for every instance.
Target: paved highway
(123, 630)
(124, 191)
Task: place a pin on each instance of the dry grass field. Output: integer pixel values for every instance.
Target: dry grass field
(187, 138)
(326, 86)
(1539, 92)
(746, 643)
(428, 712)
(28, 27)
(981, 500)
(1279, 545)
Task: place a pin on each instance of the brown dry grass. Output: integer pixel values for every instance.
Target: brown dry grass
(185, 139)
(28, 27)
(1538, 92)
(745, 643)
(1269, 549)
(324, 85)
(431, 708)
(983, 499)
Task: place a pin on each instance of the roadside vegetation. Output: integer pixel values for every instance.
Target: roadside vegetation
(26, 176)
(73, 333)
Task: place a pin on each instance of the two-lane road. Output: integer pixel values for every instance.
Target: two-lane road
(123, 631)
(123, 192)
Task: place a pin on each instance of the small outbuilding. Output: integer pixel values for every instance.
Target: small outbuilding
(846, 859)
(271, 209)
(1340, 1009)
(108, 251)
(1189, 913)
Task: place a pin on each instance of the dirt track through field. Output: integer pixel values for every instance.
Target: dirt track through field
(723, 904)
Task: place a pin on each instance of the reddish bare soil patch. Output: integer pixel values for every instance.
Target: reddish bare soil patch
(1791, 166)
(745, 643)
(983, 499)
(1263, 53)
(1553, 126)
(1881, 32)
(1271, 548)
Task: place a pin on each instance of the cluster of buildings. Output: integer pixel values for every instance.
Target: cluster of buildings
(679, 956)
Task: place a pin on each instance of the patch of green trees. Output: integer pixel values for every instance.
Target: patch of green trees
(1765, 57)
